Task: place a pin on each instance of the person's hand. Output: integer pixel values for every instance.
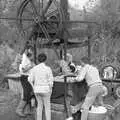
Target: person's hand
(27, 69)
(24, 70)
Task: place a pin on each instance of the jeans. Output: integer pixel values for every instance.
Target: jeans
(91, 96)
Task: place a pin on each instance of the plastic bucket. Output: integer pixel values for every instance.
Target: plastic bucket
(97, 113)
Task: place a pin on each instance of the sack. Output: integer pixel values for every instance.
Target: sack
(42, 89)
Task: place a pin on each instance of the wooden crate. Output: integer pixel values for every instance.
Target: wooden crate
(14, 83)
(15, 86)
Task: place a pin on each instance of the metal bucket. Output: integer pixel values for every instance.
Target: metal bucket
(97, 113)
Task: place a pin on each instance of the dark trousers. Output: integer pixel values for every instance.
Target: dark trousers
(28, 92)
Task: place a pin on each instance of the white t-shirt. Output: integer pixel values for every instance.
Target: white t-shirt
(25, 63)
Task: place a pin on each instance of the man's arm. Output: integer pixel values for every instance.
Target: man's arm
(50, 78)
(82, 74)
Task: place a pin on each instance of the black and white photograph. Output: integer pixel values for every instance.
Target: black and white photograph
(59, 59)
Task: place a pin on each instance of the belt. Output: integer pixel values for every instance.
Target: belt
(94, 84)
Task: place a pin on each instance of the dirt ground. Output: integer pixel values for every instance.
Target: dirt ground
(9, 102)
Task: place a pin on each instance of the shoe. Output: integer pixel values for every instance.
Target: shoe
(28, 110)
(20, 114)
(70, 118)
(20, 109)
(28, 113)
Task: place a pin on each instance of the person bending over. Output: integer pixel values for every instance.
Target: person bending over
(41, 78)
(96, 88)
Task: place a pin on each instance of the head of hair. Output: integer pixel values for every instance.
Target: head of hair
(42, 57)
(29, 51)
(29, 47)
(85, 60)
(72, 68)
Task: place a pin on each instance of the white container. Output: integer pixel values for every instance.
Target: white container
(97, 113)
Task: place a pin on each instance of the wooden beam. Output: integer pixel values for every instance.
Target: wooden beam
(70, 45)
(64, 6)
(89, 49)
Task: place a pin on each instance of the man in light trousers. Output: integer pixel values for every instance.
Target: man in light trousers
(41, 78)
(95, 87)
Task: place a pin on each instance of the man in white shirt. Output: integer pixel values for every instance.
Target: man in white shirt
(96, 88)
(41, 78)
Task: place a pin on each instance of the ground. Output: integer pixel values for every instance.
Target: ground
(9, 102)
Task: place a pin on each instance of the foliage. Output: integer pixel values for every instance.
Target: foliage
(107, 15)
(104, 37)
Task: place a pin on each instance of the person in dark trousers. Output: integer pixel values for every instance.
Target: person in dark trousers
(27, 93)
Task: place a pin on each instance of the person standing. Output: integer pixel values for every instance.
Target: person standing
(27, 90)
(68, 67)
(96, 88)
(41, 78)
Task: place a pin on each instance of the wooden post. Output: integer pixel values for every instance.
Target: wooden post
(89, 49)
(61, 55)
(64, 6)
(89, 43)
(35, 48)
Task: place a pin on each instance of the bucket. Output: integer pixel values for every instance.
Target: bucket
(97, 113)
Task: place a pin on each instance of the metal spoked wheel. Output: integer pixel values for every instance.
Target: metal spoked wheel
(41, 17)
(117, 91)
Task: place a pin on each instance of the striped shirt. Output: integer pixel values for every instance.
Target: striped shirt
(41, 75)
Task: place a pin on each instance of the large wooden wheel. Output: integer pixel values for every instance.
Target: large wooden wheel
(41, 17)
